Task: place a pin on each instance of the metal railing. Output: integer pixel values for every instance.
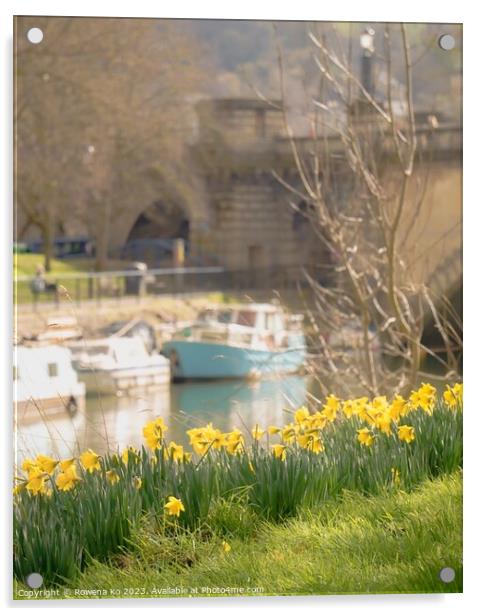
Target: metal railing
(97, 287)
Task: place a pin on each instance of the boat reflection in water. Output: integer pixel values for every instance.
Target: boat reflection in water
(111, 422)
(240, 404)
(108, 422)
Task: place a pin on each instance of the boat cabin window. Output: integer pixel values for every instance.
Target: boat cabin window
(246, 317)
(222, 316)
(225, 316)
(53, 370)
(97, 350)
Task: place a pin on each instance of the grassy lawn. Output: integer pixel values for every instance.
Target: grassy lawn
(392, 543)
(26, 264)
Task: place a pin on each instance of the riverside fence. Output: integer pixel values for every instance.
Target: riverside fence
(95, 287)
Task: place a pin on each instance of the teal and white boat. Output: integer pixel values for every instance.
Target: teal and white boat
(238, 341)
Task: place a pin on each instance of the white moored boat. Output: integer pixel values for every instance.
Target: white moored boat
(119, 365)
(45, 383)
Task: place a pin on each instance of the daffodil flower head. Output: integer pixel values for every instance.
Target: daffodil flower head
(112, 477)
(279, 451)
(406, 433)
(174, 506)
(66, 480)
(90, 461)
(257, 432)
(365, 437)
(46, 463)
(226, 546)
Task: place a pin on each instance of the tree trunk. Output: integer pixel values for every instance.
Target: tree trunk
(102, 240)
(48, 240)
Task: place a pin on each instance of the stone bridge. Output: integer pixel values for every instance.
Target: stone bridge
(239, 215)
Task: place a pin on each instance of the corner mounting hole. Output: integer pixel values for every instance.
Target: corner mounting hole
(34, 580)
(447, 575)
(446, 42)
(35, 35)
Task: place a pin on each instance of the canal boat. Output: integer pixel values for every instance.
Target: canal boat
(238, 341)
(45, 383)
(119, 365)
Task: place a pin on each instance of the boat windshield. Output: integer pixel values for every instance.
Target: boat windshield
(218, 316)
(246, 317)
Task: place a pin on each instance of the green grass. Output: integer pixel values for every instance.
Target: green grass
(60, 533)
(26, 265)
(395, 542)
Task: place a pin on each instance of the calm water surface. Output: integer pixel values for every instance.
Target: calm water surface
(111, 422)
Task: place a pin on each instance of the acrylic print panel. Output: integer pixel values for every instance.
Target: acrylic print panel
(238, 336)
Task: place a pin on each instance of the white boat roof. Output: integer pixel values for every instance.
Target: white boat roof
(111, 341)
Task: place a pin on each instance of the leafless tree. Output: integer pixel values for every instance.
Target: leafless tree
(102, 115)
(362, 178)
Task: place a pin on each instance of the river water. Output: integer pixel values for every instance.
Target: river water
(111, 422)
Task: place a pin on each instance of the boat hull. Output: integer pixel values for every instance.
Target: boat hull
(202, 360)
(69, 404)
(127, 381)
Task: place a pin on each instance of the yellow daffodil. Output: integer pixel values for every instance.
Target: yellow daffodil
(318, 420)
(289, 432)
(65, 464)
(349, 408)
(226, 546)
(449, 398)
(316, 445)
(195, 434)
(28, 464)
(453, 396)
(331, 407)
(234, 441)
(380, 404)
(384, 422)
(130, 453)
(458, 390)
(272, 430)
(398, 408)
(36, 481)
(137, 481)
(303, 439)
(301, 414)
(279, 451)
(257, 432)
(218, 440)
(67, 479)
(427, 390)
(46, 463)
(365, 437)
(112, 477)
(90, 461)
(424, 397)
(154, 432)
(406, 433)
(174, 506)
(174, 451)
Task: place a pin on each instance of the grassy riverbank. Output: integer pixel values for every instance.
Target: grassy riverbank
(394, 542)
(235, 488)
